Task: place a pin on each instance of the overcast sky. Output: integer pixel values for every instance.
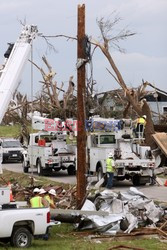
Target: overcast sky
(146, 53)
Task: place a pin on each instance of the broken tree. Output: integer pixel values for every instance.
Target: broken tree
(133, 97)
(50, 102)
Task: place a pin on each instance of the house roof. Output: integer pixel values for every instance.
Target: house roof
(151, 97)
(118, 96)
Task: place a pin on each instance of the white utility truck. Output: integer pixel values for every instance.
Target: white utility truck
(47, 150)
(133, 159)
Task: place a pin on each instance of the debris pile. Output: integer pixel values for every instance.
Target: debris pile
(65, 199)
(126, 212)
(22, 188)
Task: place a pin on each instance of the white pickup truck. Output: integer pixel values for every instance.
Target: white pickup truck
(12, 150)
(19, 225)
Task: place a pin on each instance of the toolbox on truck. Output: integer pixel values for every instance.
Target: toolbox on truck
(4, 195)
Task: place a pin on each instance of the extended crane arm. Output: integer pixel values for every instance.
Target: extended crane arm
(10, 75)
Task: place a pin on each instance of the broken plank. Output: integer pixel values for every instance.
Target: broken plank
(161, 232)
(163, 225)
(161, 141)
(125, 247)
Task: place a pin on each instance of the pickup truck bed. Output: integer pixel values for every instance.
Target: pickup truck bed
(19, 225)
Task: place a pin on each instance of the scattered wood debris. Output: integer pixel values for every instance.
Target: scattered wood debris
(64, 199)
(122, 247)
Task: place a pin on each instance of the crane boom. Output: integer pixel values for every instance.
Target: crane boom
(10, 75)
(10, 72)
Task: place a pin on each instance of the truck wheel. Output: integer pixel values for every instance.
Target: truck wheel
(39, 168)
(71, 170)
(25, 166)
(22, 159)
(136, 180)
(21, 237)
(99, 173)
(25, 169)
(3, 160)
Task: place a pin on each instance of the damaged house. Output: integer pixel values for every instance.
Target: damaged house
(112, 100)
(115, 101)
(158, 105)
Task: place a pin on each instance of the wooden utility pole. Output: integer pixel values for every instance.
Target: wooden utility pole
(81, 137)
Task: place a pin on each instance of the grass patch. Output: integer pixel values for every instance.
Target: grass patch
(13, 131)
(24, 180)
(63, 237)
(10, 131)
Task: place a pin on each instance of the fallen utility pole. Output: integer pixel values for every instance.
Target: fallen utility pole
(81, 136)
(71, 216)
(73, 212)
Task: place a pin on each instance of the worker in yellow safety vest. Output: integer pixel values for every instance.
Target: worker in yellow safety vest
(50, 198)
(110, 170)
(42, 194)
(139, 125)
(37, 200)
(71, 138)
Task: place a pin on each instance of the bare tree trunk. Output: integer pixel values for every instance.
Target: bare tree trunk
(149, 129)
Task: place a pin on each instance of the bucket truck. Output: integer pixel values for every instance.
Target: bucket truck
(47, 149)
(133, 159)
(10, 72)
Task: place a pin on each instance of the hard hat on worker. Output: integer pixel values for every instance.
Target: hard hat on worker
(110, 155)
(52, 192)
(36, 190)
(42, 191)
(144, 116)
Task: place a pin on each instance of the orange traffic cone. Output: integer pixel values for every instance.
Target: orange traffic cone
(165, 184)
(11, 195)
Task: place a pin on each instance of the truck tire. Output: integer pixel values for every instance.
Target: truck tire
(21, 237)
(39, 168)
(71, 170)
(25, 169)
(25, 166)
(99, 173)
(136, 180)
(3, 159)
(22, 159)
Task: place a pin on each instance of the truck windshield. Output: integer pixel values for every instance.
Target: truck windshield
(11, 144)
(107, 139)
(47, 138)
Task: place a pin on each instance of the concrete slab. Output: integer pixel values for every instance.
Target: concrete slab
(158, 193)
